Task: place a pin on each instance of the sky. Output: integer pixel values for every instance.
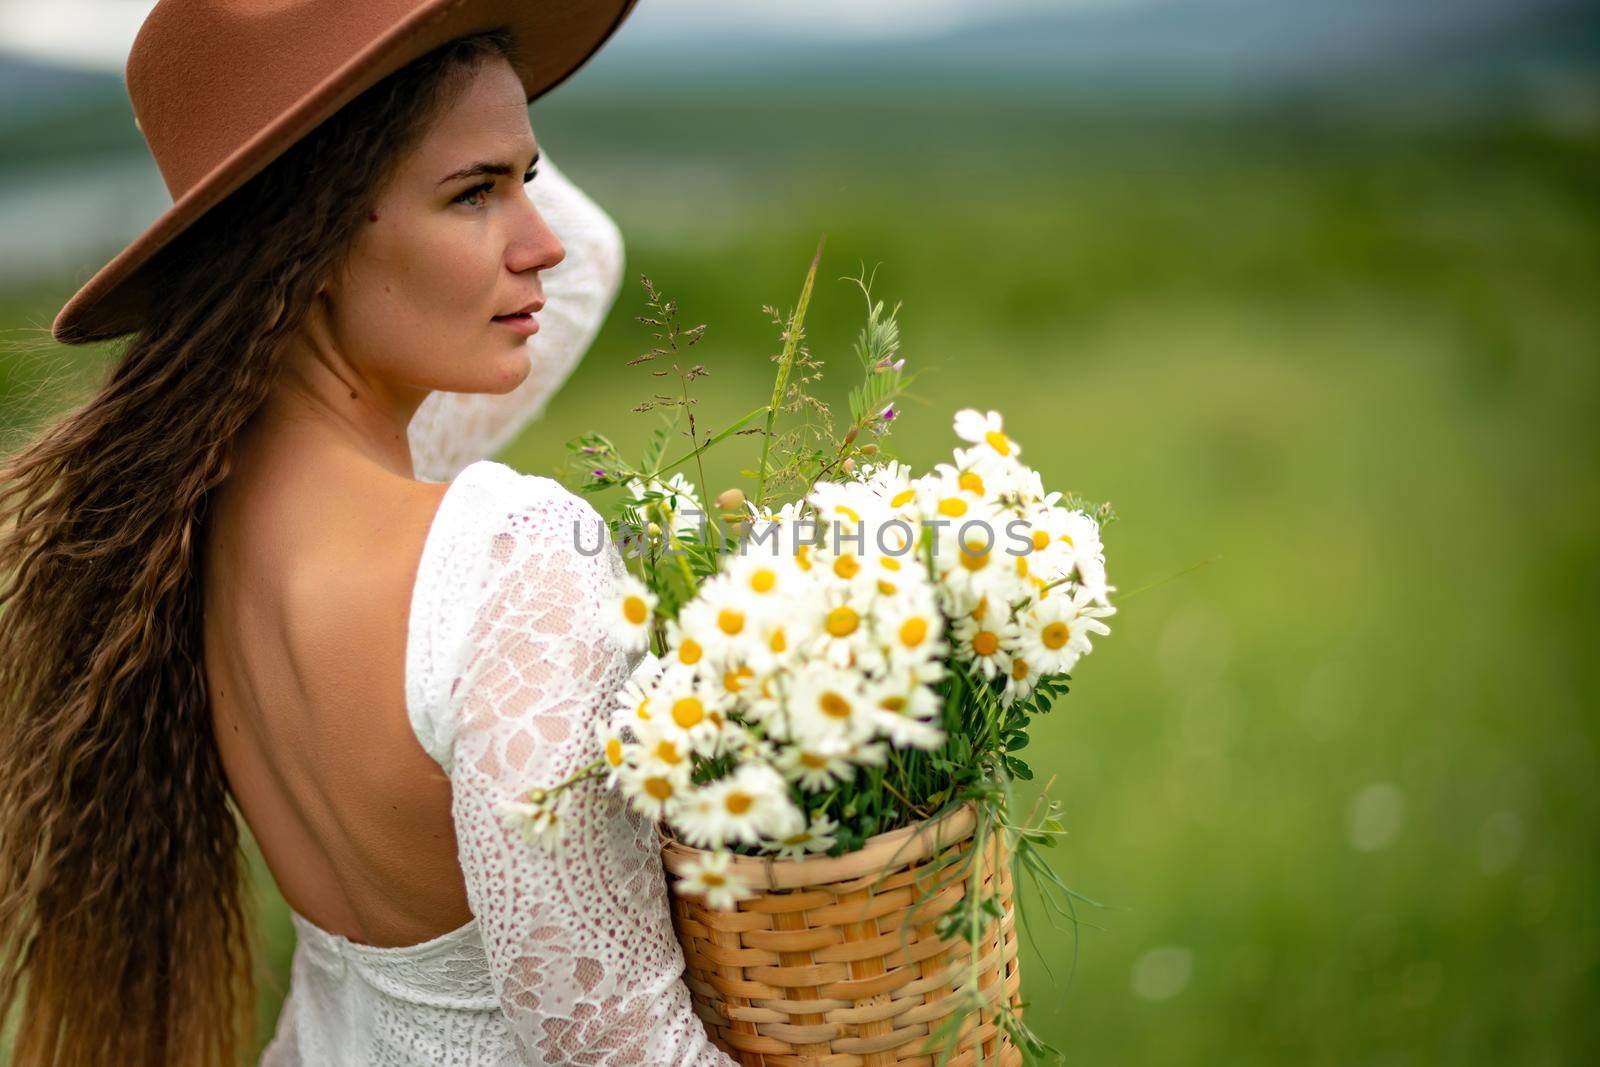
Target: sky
(99, 33)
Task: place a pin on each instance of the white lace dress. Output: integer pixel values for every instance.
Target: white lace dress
(569, 958)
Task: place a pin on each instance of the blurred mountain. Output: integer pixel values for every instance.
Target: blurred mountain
(1431, 59)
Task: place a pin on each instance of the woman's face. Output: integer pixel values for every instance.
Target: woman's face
(455, 243)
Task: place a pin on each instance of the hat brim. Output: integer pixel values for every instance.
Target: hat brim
(556, 37)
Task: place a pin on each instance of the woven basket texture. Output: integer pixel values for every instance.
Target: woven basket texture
(830, 964)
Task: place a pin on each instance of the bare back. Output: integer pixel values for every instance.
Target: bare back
(308, 575)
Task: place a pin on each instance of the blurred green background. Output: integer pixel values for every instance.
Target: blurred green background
(1328, 344)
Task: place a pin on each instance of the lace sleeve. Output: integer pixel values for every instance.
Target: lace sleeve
(450, 430)
(579, 940)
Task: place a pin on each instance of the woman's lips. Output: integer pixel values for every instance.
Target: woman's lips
(522, 322)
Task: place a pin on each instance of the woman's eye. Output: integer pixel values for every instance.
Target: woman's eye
(469, 197)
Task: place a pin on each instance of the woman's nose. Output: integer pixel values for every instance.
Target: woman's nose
(535, 245)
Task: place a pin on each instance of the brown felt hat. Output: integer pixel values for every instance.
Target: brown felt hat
(221, 87)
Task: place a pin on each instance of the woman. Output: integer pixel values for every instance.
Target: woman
(225, 580)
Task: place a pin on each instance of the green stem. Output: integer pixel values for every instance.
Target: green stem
(716, 438)
(780, 383)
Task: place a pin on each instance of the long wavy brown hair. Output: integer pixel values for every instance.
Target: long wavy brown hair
(126, 912)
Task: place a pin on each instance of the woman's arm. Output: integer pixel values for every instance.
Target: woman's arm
(451, 430)
(579, 940)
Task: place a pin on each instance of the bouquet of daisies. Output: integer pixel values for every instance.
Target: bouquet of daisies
(833, 635)
(856, 648)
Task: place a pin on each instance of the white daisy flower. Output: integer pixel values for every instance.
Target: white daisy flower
(912, 632)
(816, 764)
(719, 619)
(629, 621)
(1056, 629)
(1082, 535)
(817, 836)
(985, 429)
(751, 802)
(686, 705)
(652, 789)
(711, 877)
(844, 636)
(685, 649)
(663, 748)
(633, 698)
(948, 500)
(766, 544)
(541, 821)
(986, 642)
(765, 583)
(886, 479)
(673, 504)
(779, 638)
(827, 702)
(1005, 480)
(972, 563)
(1020, 680)
(903, 716)
(614, 750)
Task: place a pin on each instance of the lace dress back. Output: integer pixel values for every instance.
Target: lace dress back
(570, 956)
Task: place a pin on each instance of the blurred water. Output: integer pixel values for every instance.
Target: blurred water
(68, 220)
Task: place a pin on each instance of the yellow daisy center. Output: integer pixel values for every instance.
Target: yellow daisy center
(712, 878)
(985, 642)
(834, 706)
(1055, 635)
(912, 631)
(970, 481)
(842, 621)
(667, 752)
(1019, 668)
(613, 752)
(802, 557)
(892, 703)
(658, 787)
(952, 507)
(846, 567)
(688, 712)
(902, 498)
(635, 610)
(1041, 540)
(689, 652)
(738, 803)
(889, 563)
(999, 442)
(813, 761)
(730, 622)
(778, 643)
(763, 580)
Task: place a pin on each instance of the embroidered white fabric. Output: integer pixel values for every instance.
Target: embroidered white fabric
(570, 957)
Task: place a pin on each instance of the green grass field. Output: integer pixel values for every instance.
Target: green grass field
(1336, 786)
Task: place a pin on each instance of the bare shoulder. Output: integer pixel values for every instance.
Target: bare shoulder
(321, 615)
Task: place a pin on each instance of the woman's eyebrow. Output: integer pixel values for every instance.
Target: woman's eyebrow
(485, 167)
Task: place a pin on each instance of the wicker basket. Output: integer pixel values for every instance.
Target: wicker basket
(810, 970)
